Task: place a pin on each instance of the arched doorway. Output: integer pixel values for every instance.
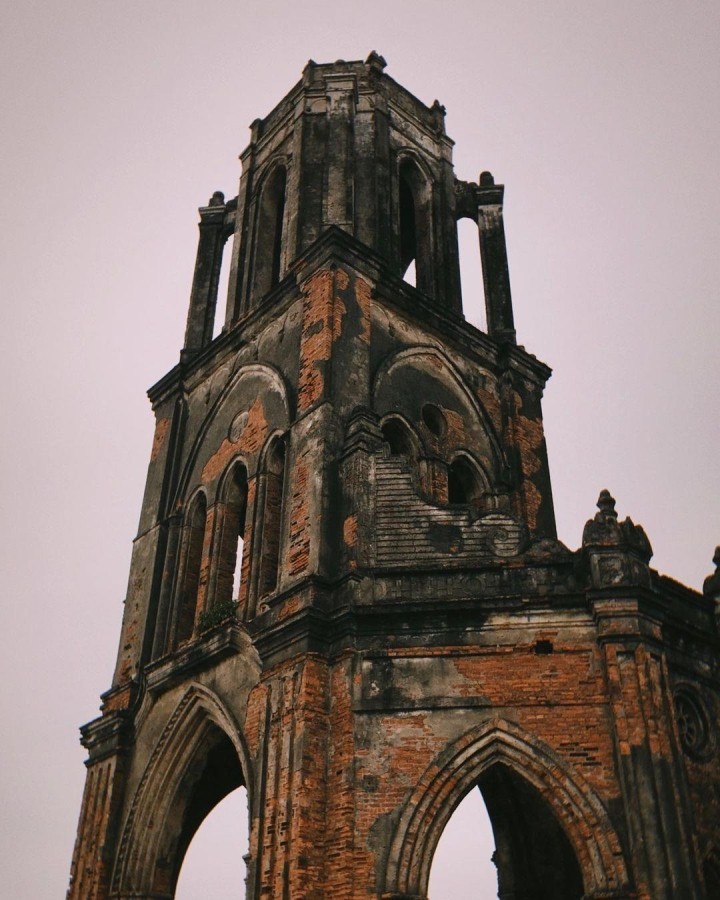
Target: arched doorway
(214, 865)
(199, 760)
(552, 834)
(517, 831)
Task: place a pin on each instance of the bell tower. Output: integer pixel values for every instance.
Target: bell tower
(347, 592)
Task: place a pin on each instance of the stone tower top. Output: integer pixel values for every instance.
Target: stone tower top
(349, 148)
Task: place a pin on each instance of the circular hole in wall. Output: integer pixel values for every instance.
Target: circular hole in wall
(434, 419)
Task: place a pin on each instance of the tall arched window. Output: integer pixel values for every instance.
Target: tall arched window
(193, 538)
(231, 525)
(269, 232)
(415, 205)
(465, 484)
(272, 515)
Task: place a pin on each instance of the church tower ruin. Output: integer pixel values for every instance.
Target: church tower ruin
(347, 592)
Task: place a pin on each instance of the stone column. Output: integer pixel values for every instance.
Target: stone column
(493, 252)
(203, 297)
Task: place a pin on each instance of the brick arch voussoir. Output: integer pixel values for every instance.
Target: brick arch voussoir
(198, 711)
(458, 768)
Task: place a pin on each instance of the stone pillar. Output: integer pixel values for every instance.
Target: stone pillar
(203, 297)
(357, 473)
(341, 90)
(493, 252)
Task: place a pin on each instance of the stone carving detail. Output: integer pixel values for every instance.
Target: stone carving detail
(604, 530)
(619, 552)
(693, 724)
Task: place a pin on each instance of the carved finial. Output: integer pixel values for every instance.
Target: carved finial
(375, 61)
(606, 505)
(438, 108)
(486, 179)
(716, 558)
(217, 199)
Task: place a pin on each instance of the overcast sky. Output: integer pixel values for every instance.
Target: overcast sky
(121, 118)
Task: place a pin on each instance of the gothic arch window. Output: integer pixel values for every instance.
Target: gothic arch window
(273, 480)
(415, 225)
(552, 835)
(399, 438)
(231, 537)
(465, 484)
(193, 540)
(269, 232)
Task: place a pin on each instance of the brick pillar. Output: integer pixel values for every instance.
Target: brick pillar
(629, 628)
(96, 844)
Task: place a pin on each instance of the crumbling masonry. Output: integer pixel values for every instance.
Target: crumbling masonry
(404, 625)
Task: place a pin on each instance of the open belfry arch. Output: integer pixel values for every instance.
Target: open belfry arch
(347, 592)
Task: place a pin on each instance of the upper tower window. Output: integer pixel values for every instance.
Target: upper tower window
(269, 236)
(414, 200)
(397, 436)
(464, 482)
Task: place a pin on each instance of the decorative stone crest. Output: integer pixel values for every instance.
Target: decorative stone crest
(619, 551)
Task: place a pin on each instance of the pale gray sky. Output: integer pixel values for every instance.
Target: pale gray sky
(120, 119)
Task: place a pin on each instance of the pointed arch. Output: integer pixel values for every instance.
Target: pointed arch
(247, 381)
(460, 767)
(400, 437)
(271, 491)
(230, 519)
(438, 363)
(467, 482)
(166, 809)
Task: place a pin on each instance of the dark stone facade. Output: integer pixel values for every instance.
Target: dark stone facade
(404, 625)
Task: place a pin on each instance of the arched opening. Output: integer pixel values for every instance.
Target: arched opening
(193, 539)
(213, 772)
(272, 515)
(553, 836)
(213, 865)
(533, 854)
(414, 202)
(471, 273)
(231, 524)
(463, 866)
(223, 285)
(532, 857)
(396, 435)
(269, 232)
(464, 482)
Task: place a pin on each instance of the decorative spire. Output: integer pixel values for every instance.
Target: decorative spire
(604, 530)
(606, 505)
